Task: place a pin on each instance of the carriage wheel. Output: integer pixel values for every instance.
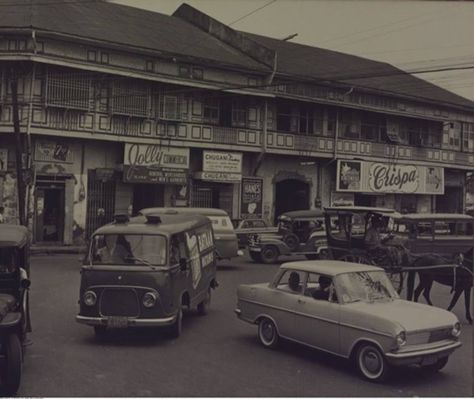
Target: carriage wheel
(397, 279)
(356, 258)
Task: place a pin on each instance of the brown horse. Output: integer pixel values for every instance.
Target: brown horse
(460, 279)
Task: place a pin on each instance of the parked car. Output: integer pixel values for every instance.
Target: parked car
(350, 310)
(250, 227)
(142, 272)
(14, 304)
(226, 242)
(446, 234)
(299, 233)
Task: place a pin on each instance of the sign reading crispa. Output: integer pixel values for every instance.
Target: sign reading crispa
(377, 177)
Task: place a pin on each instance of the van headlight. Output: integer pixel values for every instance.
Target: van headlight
(401, 338)
(149, 299)
(456, 331)
(89, 298)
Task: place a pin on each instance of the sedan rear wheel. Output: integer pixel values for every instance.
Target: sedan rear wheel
(267, 333)
(371, 363)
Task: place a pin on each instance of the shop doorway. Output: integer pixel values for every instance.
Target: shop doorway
(450, 201)
(213, 195)
(147, 196)
(291, 195)
(49, 212)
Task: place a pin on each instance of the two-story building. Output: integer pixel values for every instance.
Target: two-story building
(121, 108)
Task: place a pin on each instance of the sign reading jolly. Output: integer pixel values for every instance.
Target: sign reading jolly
(149, 163)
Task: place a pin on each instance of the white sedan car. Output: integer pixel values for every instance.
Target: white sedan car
(350, 310)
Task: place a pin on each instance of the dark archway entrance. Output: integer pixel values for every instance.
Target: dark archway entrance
(291, 195)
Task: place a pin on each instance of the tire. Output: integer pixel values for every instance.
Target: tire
(267, 333)
(269, 254)
(292, 241)
(371, 363)
(203, 307)
(256, 256)
(177, 327)
(397, 280)
(11, 372)
(434, 368)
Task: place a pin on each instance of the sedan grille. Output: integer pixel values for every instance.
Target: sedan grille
(439, 335)
(119, 302)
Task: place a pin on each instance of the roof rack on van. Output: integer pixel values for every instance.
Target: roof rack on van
(153, 219)
(121, 218)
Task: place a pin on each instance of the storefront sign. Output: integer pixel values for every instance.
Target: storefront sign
(53, 151)
(252, 198)
(148, 163)
(3, 159)
(342, 199)
(376, 177)
(220, 177)
(228, 162)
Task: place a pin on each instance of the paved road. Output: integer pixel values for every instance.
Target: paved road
(217, 355)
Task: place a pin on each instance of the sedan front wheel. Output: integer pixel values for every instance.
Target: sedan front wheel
(371, 363)
(267, 333)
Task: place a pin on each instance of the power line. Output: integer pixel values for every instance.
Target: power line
(252, 12)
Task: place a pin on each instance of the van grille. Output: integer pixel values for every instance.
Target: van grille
(119, 302)
(439, 335)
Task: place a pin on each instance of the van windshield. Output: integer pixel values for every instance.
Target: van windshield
(128, 249)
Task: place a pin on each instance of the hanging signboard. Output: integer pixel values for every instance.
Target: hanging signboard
(218, 161)
(220, 177)
(376, 177)
(251, 204)
(149, 163)
(53, 151)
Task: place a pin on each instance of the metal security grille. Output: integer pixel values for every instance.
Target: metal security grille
(100, 202)
(202, 197)
(67, 90)
(130, 99)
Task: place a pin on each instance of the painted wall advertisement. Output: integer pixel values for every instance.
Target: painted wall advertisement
(220, 166)
(376, 177)
(251, 204)
(149, 163)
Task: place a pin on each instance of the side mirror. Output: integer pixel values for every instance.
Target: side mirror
(25, 283)
(183, 264)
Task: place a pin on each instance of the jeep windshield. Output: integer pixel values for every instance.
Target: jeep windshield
(365, 286)
(128, 249)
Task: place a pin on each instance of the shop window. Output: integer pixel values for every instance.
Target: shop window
(169, 107)
(306, 120)
(452, 136)
(283, 117)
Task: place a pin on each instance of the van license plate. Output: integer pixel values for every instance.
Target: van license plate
(117, 322)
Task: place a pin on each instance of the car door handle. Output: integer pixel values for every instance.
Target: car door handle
(301, 301)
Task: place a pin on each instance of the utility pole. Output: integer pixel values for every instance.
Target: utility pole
(19, 147)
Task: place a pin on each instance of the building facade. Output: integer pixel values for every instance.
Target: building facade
(113, 126)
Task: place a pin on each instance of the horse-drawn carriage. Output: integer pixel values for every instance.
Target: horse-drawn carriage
(438, 247)
(365, 235)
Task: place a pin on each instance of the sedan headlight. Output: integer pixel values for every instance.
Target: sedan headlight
(456, 331)
(89, 298)
(149, 299)
(401, 338)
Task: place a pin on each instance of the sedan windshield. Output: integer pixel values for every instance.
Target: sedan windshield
(365, 286)
(128, 249)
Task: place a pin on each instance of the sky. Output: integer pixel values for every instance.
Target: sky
(411, 35)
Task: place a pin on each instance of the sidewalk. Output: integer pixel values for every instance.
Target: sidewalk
(57, 249)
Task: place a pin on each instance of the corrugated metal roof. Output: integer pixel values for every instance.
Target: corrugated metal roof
(124, 25)
(322, 64)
